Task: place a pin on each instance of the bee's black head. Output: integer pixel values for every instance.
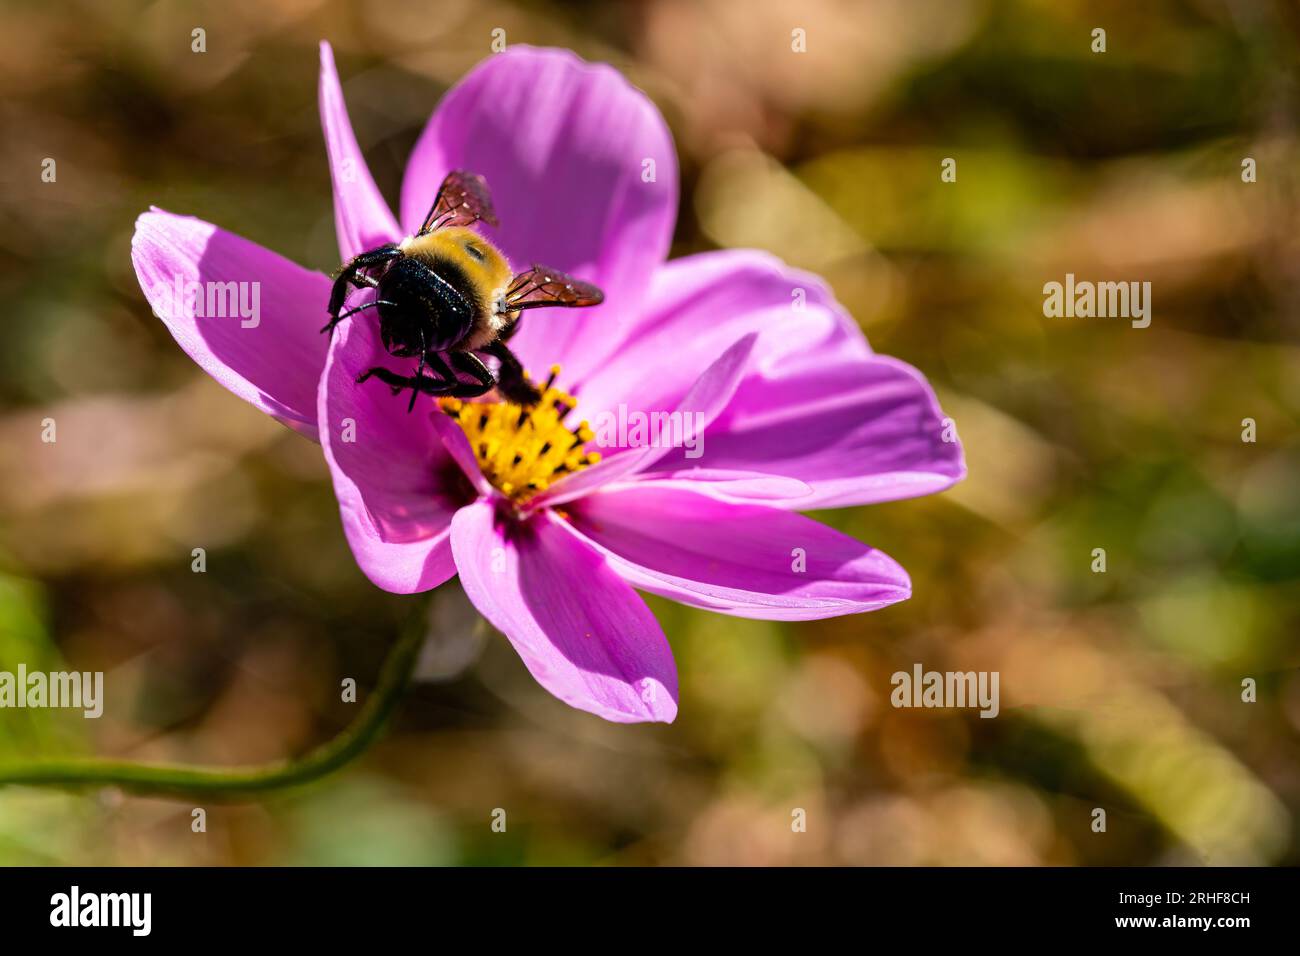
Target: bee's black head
(423, 309)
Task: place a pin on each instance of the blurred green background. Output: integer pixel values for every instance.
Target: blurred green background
(1119, 690)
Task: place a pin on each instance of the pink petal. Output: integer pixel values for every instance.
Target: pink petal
(456, 444)
(564, 145)
(696, 307)
(733, 485)
(397, 485)
(272, 358)
(707, 397)
(582, 632)
(857, 432)
(362, 220)
(741, 559)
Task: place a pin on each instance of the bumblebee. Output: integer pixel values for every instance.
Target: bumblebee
(446, 296)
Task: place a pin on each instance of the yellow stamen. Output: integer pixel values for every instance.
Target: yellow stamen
(523, 449)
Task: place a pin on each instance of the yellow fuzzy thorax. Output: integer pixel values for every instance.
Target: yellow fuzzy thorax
(482, 263)
(522, 450)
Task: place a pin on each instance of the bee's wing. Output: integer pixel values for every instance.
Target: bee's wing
(463, 199)
(542, 286)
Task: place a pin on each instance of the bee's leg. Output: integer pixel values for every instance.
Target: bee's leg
(419, 371)
(512, 382)
(471, 364)
(352, 275)
(427, 384)
(448, 383)
(444, 382)
(387, 376)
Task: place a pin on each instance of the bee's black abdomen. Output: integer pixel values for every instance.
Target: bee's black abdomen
(430, 309)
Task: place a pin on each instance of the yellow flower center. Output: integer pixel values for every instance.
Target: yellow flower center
(524, 449)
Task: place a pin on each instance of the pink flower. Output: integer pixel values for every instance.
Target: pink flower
(787, 407)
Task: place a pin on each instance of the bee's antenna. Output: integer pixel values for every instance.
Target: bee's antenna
(351, 312)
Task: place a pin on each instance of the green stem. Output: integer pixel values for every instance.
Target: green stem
(178, 779)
